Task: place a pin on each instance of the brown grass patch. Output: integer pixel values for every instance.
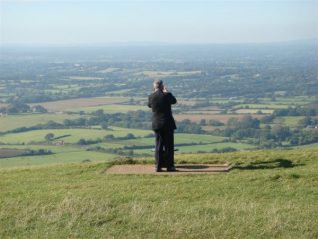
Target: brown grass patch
(8, 153)
(186, 102)
(3, 105)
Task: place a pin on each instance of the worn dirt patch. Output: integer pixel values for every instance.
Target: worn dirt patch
(182, 169)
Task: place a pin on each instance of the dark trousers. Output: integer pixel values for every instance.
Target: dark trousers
(164, 152)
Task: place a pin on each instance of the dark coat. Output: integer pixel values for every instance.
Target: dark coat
(160, 103)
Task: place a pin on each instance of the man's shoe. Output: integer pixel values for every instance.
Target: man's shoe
(158, 170)
(172, 169)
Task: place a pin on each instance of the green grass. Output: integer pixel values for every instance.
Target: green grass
(26, 120)
(75, 135)
(179, 139)
(202, 148)
(254, 111)
(262, 106)
(308, 146)
(297, 100)
(61, 155)
(197, 138)
(291, 121)
(80, 201)
(210, 147)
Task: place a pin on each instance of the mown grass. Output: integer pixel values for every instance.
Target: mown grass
(81, 201)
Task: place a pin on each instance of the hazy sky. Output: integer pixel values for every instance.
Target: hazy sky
(176, 21)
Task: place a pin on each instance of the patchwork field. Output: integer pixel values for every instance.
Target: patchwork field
(72, 152)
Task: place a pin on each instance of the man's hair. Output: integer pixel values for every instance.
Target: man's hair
(157, 84)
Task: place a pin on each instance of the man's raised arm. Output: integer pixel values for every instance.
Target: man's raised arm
(149, 102)
(173, 99)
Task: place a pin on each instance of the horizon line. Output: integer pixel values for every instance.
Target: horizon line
(154, 43)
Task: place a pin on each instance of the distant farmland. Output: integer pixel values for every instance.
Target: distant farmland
(26, 120)
(223, 118)
(61, 105)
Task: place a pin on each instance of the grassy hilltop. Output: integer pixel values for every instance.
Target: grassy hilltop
(267, 194)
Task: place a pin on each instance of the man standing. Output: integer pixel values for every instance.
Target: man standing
(163, 125)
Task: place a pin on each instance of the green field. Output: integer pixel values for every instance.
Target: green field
(201, 148)
(262, 106)
(210, 147)
(291, 121)
(26, 120)
(74, 153)
(268, 194)
(254, 111)
(110, 108)
(179, 139)
(61, 155)
(308, 146)
(296, 100)
(75, 135)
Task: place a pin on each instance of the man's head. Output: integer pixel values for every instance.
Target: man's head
(158, 85)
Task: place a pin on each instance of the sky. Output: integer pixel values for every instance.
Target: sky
(41, 22)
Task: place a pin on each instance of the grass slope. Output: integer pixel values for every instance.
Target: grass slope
(269, 194)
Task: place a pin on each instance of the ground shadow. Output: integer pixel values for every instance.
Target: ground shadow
(277, 163)
(202, 168)
(193, 166)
